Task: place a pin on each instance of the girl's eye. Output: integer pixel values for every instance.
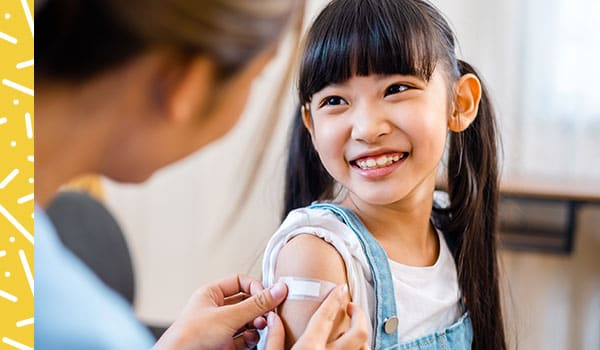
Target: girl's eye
(396, 89)
(332, 101)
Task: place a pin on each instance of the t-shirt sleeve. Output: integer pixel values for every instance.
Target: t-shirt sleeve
(325, 225)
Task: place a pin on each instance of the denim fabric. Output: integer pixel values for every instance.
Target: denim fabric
(458, 336)
(385, 301)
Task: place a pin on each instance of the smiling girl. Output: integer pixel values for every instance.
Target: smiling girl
(382, 96)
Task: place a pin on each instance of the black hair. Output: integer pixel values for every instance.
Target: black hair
(371, 37)
(77, 39)
(409, 37)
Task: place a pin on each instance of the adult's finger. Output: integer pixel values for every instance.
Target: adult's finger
(321, 323)
(276, 334)
(238, 284)
(246, 340)
(234, 299)
(259, 323)
(355, 337)
(239, 314)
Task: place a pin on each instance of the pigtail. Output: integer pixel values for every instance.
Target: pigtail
(473, 190)
(306, 179)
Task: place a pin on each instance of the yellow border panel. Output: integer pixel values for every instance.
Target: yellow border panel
(16, 174)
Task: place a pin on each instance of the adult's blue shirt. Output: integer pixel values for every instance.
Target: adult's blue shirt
(73, 308)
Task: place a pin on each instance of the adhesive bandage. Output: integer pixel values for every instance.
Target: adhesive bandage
(306, 288)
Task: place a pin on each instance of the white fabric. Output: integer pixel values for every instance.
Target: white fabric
(427, 298)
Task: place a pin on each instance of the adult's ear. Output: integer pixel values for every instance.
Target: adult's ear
(467, 94)
(190, 89)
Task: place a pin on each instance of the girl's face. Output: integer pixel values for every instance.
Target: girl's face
(381, 136)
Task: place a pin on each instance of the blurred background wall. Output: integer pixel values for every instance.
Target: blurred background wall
(211, 214)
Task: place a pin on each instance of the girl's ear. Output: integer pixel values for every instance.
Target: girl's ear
(467, 93)
(307, 120)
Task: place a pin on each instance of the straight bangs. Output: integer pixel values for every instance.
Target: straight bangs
(367, 37)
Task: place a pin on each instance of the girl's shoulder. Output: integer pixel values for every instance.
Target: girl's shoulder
(311, 217)
(320, 224)
(317, 222)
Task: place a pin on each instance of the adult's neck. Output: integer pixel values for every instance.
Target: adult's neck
(71, 126)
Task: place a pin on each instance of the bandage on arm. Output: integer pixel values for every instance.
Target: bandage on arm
(307, 288)
(312, 259)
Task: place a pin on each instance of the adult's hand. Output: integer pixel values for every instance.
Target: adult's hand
(321, 324)
(217, 312)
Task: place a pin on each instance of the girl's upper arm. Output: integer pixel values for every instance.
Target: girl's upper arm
(309, 256)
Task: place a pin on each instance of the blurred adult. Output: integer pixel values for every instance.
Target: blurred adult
(124, 88)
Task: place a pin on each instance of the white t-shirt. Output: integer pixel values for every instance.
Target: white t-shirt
(427, 298)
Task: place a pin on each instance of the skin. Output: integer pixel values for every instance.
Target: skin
(378, 115)
(130, 121)
(163, 109)
(319, 329)
(329, 266)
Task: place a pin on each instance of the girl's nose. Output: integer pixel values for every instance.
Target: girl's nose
(370, 126)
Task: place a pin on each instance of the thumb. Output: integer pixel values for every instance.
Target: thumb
(276, 333)
(259, 304)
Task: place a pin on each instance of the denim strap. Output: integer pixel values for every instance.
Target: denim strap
(385, 303)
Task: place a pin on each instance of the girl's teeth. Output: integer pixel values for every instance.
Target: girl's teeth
(382, 161)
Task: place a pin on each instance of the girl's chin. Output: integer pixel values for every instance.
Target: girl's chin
(376, 198)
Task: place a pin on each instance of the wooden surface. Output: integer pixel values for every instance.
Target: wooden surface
(582, 190)
(587, 190)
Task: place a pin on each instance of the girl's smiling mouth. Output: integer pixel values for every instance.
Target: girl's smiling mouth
(374, 166)
(374, 162)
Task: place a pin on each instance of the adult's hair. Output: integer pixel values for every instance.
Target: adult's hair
(410, 37)
(77, 39)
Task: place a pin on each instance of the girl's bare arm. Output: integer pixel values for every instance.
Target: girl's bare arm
(308, 256)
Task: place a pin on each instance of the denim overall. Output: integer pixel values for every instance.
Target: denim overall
(385, 331)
